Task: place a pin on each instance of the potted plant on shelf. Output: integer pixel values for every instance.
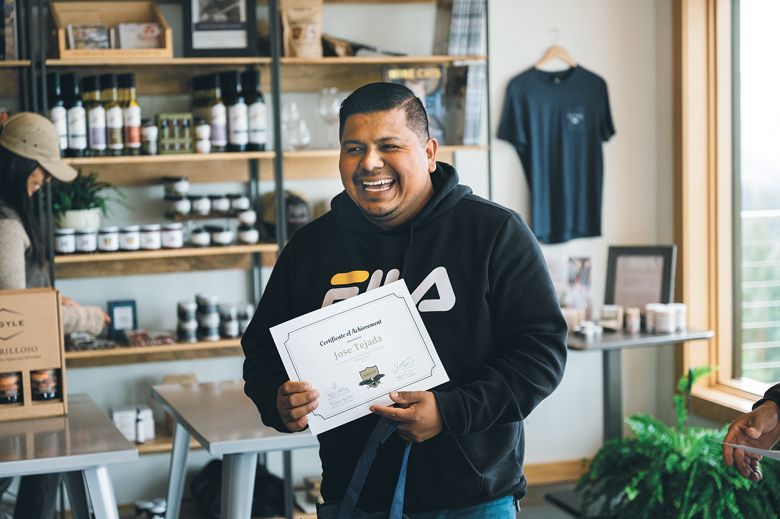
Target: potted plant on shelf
(678, 472)
(80, 204)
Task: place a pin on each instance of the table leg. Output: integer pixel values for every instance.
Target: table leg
(77, 495)
(176, 473)
(238, 484)
(288, 493)
(613, 400)
(101, 493)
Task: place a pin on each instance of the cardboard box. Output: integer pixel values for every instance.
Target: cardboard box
(110, 14)
(31, 339)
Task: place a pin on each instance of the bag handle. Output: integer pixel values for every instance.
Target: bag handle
(382, 431)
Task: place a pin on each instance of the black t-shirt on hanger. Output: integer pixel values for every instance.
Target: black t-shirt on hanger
(557, 122)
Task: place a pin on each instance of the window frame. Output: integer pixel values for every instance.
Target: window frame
(703, 199)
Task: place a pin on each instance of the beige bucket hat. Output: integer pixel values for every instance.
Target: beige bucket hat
(34, 137)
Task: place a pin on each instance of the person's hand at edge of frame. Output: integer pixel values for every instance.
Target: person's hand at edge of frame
(417, 412)
(759, 428)
(294, 401)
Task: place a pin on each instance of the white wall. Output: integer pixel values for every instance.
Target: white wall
(629, 45)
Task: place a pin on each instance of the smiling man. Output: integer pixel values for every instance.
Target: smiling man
(483, 291)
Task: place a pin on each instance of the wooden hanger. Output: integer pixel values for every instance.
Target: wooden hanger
(555, 52)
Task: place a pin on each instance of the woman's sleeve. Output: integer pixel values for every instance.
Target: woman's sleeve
(82, 319)
(13, 242)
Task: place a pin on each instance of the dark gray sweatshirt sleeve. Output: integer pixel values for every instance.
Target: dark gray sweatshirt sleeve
(531, 336)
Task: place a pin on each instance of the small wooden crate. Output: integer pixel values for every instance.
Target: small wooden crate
(110, 14)
(31, 339)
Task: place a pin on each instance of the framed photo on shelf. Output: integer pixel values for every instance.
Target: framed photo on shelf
(219, 28)
(123, 317)
(640, 275)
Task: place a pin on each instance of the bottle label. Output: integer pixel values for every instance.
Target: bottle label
(238, 120)
(114, 124)
(218, 121)
(77, 128)
(257, 123)
(59, 116)
(132, 120)
(97, 128)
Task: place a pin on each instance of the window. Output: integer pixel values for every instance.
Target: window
(756, 168)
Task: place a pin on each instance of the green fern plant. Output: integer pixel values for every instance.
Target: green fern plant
(84, 192)
(674, 472)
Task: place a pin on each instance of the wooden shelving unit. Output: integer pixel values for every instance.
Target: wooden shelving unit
(15, 63)
(140, 354)
(159, 261)
(176, 62)
(168, 158)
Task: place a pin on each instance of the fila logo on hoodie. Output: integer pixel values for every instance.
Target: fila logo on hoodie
(347, 284)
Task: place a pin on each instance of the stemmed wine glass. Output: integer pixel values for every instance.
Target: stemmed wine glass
(328, 108)
(296, 129)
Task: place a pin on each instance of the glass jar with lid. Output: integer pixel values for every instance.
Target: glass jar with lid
(65, 241)
(108, 239)
(177, 205)
(200, 237)
(200, 204)
(86, 241)
(176, 185)
(238, 202)
(219, 203)
(172, 235)
(130, 237)
(150, 237)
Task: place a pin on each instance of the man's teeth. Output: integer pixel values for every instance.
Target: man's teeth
(378, 185)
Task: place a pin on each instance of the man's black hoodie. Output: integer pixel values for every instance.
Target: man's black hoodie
(482, 288)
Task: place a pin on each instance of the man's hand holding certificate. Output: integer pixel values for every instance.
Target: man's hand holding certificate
(353, 354)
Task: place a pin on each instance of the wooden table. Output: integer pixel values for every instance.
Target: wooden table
(226, 423)
(80, 445)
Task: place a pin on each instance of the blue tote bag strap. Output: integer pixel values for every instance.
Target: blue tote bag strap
(382, 431)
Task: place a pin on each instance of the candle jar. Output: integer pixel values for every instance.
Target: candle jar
(177, 205)
(130, 237)
(220, 203)
(209, 333)
(149, 134)
(44, 384)
(176, 186)
(10, 387)
(200, 237)
(238, 202)
(201, 205)
(172, 236)
(247, 217)
(65, 241)
(228, 312)
(86, 241)
(108, 239)
(220, 235)
(187, 331)
(150, 237)
(203, 146)
(186, 310)
(248, 235)
(229, 329)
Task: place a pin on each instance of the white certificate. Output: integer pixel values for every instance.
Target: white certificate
(357, 351)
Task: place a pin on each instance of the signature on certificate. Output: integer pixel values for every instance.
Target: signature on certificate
(338, 395)
(403, 369)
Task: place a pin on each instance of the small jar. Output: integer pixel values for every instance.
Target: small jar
(172, 236)
(245, 317)
(238, 202)
(10, 387)
(203, 146)
(201, 205)
(207, 303)
(229, 329)
(221, 235)
(187, 331)
(219, 203)
(633, 320)
(228, 312)
(130, 237)
(177, 204)
(186, 310)
(209, 333)
(248, 217)
(248, 235)
(665, 320)
(208, 320)
(150, 237)
(200, 237)
(157, 512)
(142, 508)
(44, 384)
(176, 185)
(86, 241)
(202, 130)
(149, 134)
(65, 241)
(108, 239)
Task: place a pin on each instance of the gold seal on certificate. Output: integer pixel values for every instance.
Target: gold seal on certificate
(357, 351)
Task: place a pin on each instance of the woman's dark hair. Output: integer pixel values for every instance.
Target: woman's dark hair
(14, 172)
(379, 97)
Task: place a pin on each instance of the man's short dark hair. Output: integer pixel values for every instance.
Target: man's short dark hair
(378, 97)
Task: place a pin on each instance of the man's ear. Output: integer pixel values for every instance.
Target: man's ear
(431, 147)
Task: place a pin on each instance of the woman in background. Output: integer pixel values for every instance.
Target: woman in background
(29, 157)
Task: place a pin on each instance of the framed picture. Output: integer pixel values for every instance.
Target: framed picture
(219, 28)
(123, 317)
(637, 276)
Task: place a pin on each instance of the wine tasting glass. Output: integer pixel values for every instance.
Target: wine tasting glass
(329, 105)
